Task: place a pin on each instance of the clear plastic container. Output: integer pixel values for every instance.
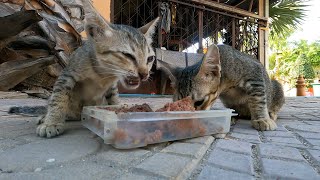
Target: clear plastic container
(138, 129)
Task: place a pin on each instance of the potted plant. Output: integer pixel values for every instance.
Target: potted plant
(306, 73)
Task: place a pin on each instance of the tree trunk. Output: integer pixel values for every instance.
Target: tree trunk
(14, 72)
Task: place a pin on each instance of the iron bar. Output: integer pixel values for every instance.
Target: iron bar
(159, 27)
(263, 22)
(192, 24)
(200, 16)
(233, 33)
(229, 9)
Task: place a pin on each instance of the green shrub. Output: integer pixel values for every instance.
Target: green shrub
(304, 67)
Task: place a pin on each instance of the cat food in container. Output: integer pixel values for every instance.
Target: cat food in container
(126, 130)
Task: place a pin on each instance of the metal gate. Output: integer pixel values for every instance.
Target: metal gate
(191, 27)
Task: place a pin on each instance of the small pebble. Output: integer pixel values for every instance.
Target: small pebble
(37, 169)
(50, 160)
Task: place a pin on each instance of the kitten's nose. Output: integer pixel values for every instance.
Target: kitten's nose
(143, 76)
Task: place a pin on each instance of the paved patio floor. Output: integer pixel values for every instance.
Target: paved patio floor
(290, 152)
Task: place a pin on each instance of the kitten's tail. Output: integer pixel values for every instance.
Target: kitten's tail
(28, 110)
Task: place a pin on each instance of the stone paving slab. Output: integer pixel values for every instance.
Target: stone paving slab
(131, 176)
(186, 149)
(292, 151)
(37, 154)
(209, 173)
(276, 151)
(165, 165)
(230, 160)
(234, 146)
(287, 169)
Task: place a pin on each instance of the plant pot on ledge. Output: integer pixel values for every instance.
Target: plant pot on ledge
(301, 86)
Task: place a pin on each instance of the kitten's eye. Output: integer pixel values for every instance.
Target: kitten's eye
(150, 59)
(130, 56)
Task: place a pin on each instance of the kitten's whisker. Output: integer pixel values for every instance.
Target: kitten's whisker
(149, 80)
(114, 68)
(109, 77)
(117, 70)
(115, 74)
(107, 64)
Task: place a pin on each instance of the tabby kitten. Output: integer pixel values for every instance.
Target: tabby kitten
(239, 80)
(111, 53)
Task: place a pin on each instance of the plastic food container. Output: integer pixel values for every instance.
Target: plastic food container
(138, 129)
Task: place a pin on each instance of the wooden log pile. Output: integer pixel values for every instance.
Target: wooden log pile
(36, 40)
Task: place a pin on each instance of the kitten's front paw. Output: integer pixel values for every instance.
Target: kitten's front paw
(50, 130)
(40, 120)
(264, 124)
(233, 121)
(219, 136)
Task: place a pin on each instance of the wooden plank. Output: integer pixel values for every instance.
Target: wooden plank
(250, 6)
(228, 8)
(14, 72)
(15, 23)
(240, 2)
(266, 34)
(55, 36)
(41, 93)
(261, 35)
(233, 32)
(12, 95)
(261, 8)
(32, 42)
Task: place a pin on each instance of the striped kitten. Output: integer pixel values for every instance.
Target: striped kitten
(111, 53)
(239, 80)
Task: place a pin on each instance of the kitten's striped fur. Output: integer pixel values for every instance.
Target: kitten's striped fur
(238, 79)
(111, 53)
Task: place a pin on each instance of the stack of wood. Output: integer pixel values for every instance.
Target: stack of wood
(36, 40)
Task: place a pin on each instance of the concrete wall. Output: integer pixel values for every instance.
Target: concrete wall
(104, 8)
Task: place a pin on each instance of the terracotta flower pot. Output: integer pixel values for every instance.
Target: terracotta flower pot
(301, 86)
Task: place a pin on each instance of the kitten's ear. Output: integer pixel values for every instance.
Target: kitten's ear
(168, 69)
(211, 61)
(149, 29)
(96, 26)
(98, 31)
(93, 30)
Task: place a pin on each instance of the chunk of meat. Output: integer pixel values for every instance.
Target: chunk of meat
(136, 108)
(185, 104)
